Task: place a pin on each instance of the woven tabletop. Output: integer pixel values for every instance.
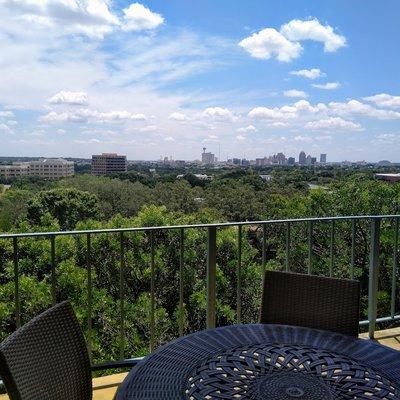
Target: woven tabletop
(265, 362)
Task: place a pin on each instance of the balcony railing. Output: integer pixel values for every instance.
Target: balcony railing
(373, 224)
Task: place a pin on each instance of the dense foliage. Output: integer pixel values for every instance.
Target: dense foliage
(138, 199)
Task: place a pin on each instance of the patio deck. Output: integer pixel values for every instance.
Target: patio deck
(104, 388)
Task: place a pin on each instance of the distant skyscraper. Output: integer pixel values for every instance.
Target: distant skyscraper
(302, 158)
(308, 160)
(291, 161)
(280, 159)
(207, 158)
(322, 158)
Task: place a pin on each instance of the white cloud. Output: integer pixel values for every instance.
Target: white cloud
(148, 128)
(5, 128)
(285, 46)
(137, 17)
(6, 114)
(384, 100)
(327, 86)
(295, 93)
(248, 128)
(288, 111)
(312, 73)
(218, 113)
(177, 116)
(305, 106)
(270, 43)
(285, 112)
(298, 30)
(73, 98)
(278, 124)
(89, 17)
(169, 139)
(84, 115)
(334, 123)
(12, 122)
(355, 107)
(304, 139)
(240, 138)
(384, 136)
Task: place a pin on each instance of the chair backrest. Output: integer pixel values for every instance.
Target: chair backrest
(311, 301)
(47, 358)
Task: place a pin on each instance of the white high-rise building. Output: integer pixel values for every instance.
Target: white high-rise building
(207, 158)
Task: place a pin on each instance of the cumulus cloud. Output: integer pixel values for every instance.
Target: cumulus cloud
(334, 123)
(302, 138)
(84, 115)
(148, 128)
(218, 113)
(285, 112)
(72, 98)
(177, 116)
(169, 139)
(270, 43)
(93, 18)
(357, 108)
(327, 86)
(298, 30)
(312, 73)
(385, 136)
(240, 138)
(248, 128)
(137, 17)
(288, 111)
(90, 17)
(5, 129)
(6, 114)
(285, 43)
(295, 93)
(278, 124)
(384, 100)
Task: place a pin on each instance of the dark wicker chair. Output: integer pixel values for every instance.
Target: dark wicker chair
(47, 358)
(311, 301)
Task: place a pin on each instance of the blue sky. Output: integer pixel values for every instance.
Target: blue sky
(167, 78)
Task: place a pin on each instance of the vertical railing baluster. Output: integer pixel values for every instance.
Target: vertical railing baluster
(239, 277)
(373, 275)
(394, 267)
(181, 267)
(211, 276)
(89, 293)
(310, 246)
(53, 269)
(264, 252)
(353, 247)
(16, 283)
(152, 295)
(332, 263)
(122, 296)
(288, 246)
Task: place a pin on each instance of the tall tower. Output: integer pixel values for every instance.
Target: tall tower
(302, 158)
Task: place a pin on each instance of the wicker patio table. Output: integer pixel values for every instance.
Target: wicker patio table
(266, 362)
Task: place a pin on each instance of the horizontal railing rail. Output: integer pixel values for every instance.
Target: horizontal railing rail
(211, 267)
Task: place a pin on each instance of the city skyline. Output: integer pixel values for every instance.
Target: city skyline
(241, 79)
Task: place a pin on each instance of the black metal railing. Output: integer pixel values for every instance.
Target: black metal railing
(211, 266)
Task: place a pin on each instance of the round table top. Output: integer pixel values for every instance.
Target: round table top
(265, 362)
